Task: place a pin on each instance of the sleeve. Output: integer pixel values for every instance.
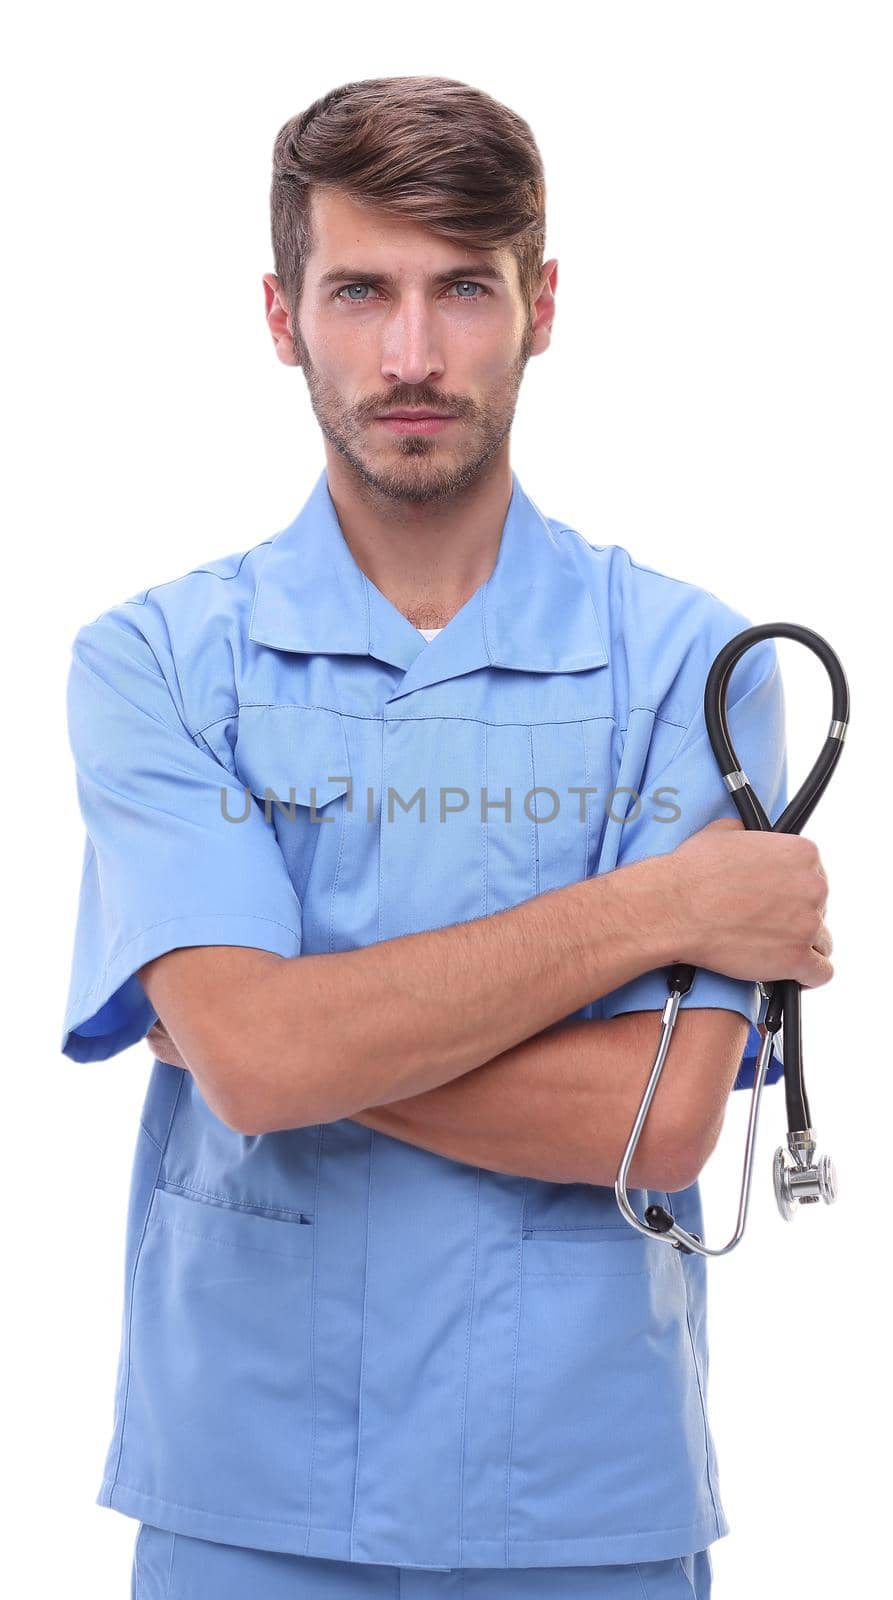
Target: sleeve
(690, 785)
(176, 853)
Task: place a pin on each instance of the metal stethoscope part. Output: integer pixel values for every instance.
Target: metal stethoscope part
(798, 1179)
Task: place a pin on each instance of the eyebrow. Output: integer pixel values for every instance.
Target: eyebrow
(475, 269)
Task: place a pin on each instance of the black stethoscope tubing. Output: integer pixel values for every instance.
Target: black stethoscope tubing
(783, 1004)
(782, 996)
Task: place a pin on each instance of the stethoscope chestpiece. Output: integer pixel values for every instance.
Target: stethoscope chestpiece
(802, 1181)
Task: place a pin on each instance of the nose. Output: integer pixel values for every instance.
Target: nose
(411, 345)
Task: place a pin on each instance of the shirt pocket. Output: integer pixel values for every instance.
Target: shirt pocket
(605, 1387)
(219, 1357)
(295, 763)
(580, 1211)
(299, 753)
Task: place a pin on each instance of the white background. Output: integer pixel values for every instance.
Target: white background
(716, 399)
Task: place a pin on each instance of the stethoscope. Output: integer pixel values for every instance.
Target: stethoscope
(798, 1180)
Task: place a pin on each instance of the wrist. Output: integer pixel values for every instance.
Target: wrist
(661, 916)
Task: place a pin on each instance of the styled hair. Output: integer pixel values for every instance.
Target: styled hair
(428, 150)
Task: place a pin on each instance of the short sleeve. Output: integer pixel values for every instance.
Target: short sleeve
(176, 851)
(682, 796)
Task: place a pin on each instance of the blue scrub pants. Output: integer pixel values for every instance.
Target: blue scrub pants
(173, 1566)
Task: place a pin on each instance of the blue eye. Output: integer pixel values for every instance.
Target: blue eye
(348, 296)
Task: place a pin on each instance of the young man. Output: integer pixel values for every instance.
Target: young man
(394, 822)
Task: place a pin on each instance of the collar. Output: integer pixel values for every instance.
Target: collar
(534, 613)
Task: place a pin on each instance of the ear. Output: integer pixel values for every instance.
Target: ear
(544, 308)
(279, 320)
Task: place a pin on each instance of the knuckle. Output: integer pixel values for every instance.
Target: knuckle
(806, 927)
(805, 852)
(800, 966)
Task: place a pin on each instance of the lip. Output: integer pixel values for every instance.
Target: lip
(416, 422)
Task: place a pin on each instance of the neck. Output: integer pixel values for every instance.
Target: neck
(428, 560)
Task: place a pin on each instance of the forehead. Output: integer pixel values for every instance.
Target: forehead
(346, 230)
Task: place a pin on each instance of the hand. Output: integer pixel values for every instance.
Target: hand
(751, 904)
(162, 1045)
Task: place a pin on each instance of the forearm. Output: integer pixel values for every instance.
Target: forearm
(559, 1107)
(334, 1034)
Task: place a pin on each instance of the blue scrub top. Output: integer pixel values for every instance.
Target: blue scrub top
(335, 1343)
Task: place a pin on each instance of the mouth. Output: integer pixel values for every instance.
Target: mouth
(415, 421)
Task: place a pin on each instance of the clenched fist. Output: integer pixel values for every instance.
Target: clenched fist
(752, 904)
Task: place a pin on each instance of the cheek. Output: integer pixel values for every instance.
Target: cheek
(330, 349)
(489, 354)
(348, 370)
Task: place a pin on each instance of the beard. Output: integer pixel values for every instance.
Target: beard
(416, 475)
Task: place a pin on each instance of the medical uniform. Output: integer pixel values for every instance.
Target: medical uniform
(336, 1345)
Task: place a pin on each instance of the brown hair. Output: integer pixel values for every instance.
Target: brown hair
(429, 150)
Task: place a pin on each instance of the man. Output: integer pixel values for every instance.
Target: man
(378, 858)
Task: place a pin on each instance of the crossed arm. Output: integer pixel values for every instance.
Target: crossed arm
(459, 1039)
(561, 1105)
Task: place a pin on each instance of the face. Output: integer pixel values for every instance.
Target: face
(394, 318)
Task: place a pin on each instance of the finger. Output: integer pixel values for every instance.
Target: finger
(817, 970)
(824, 943)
